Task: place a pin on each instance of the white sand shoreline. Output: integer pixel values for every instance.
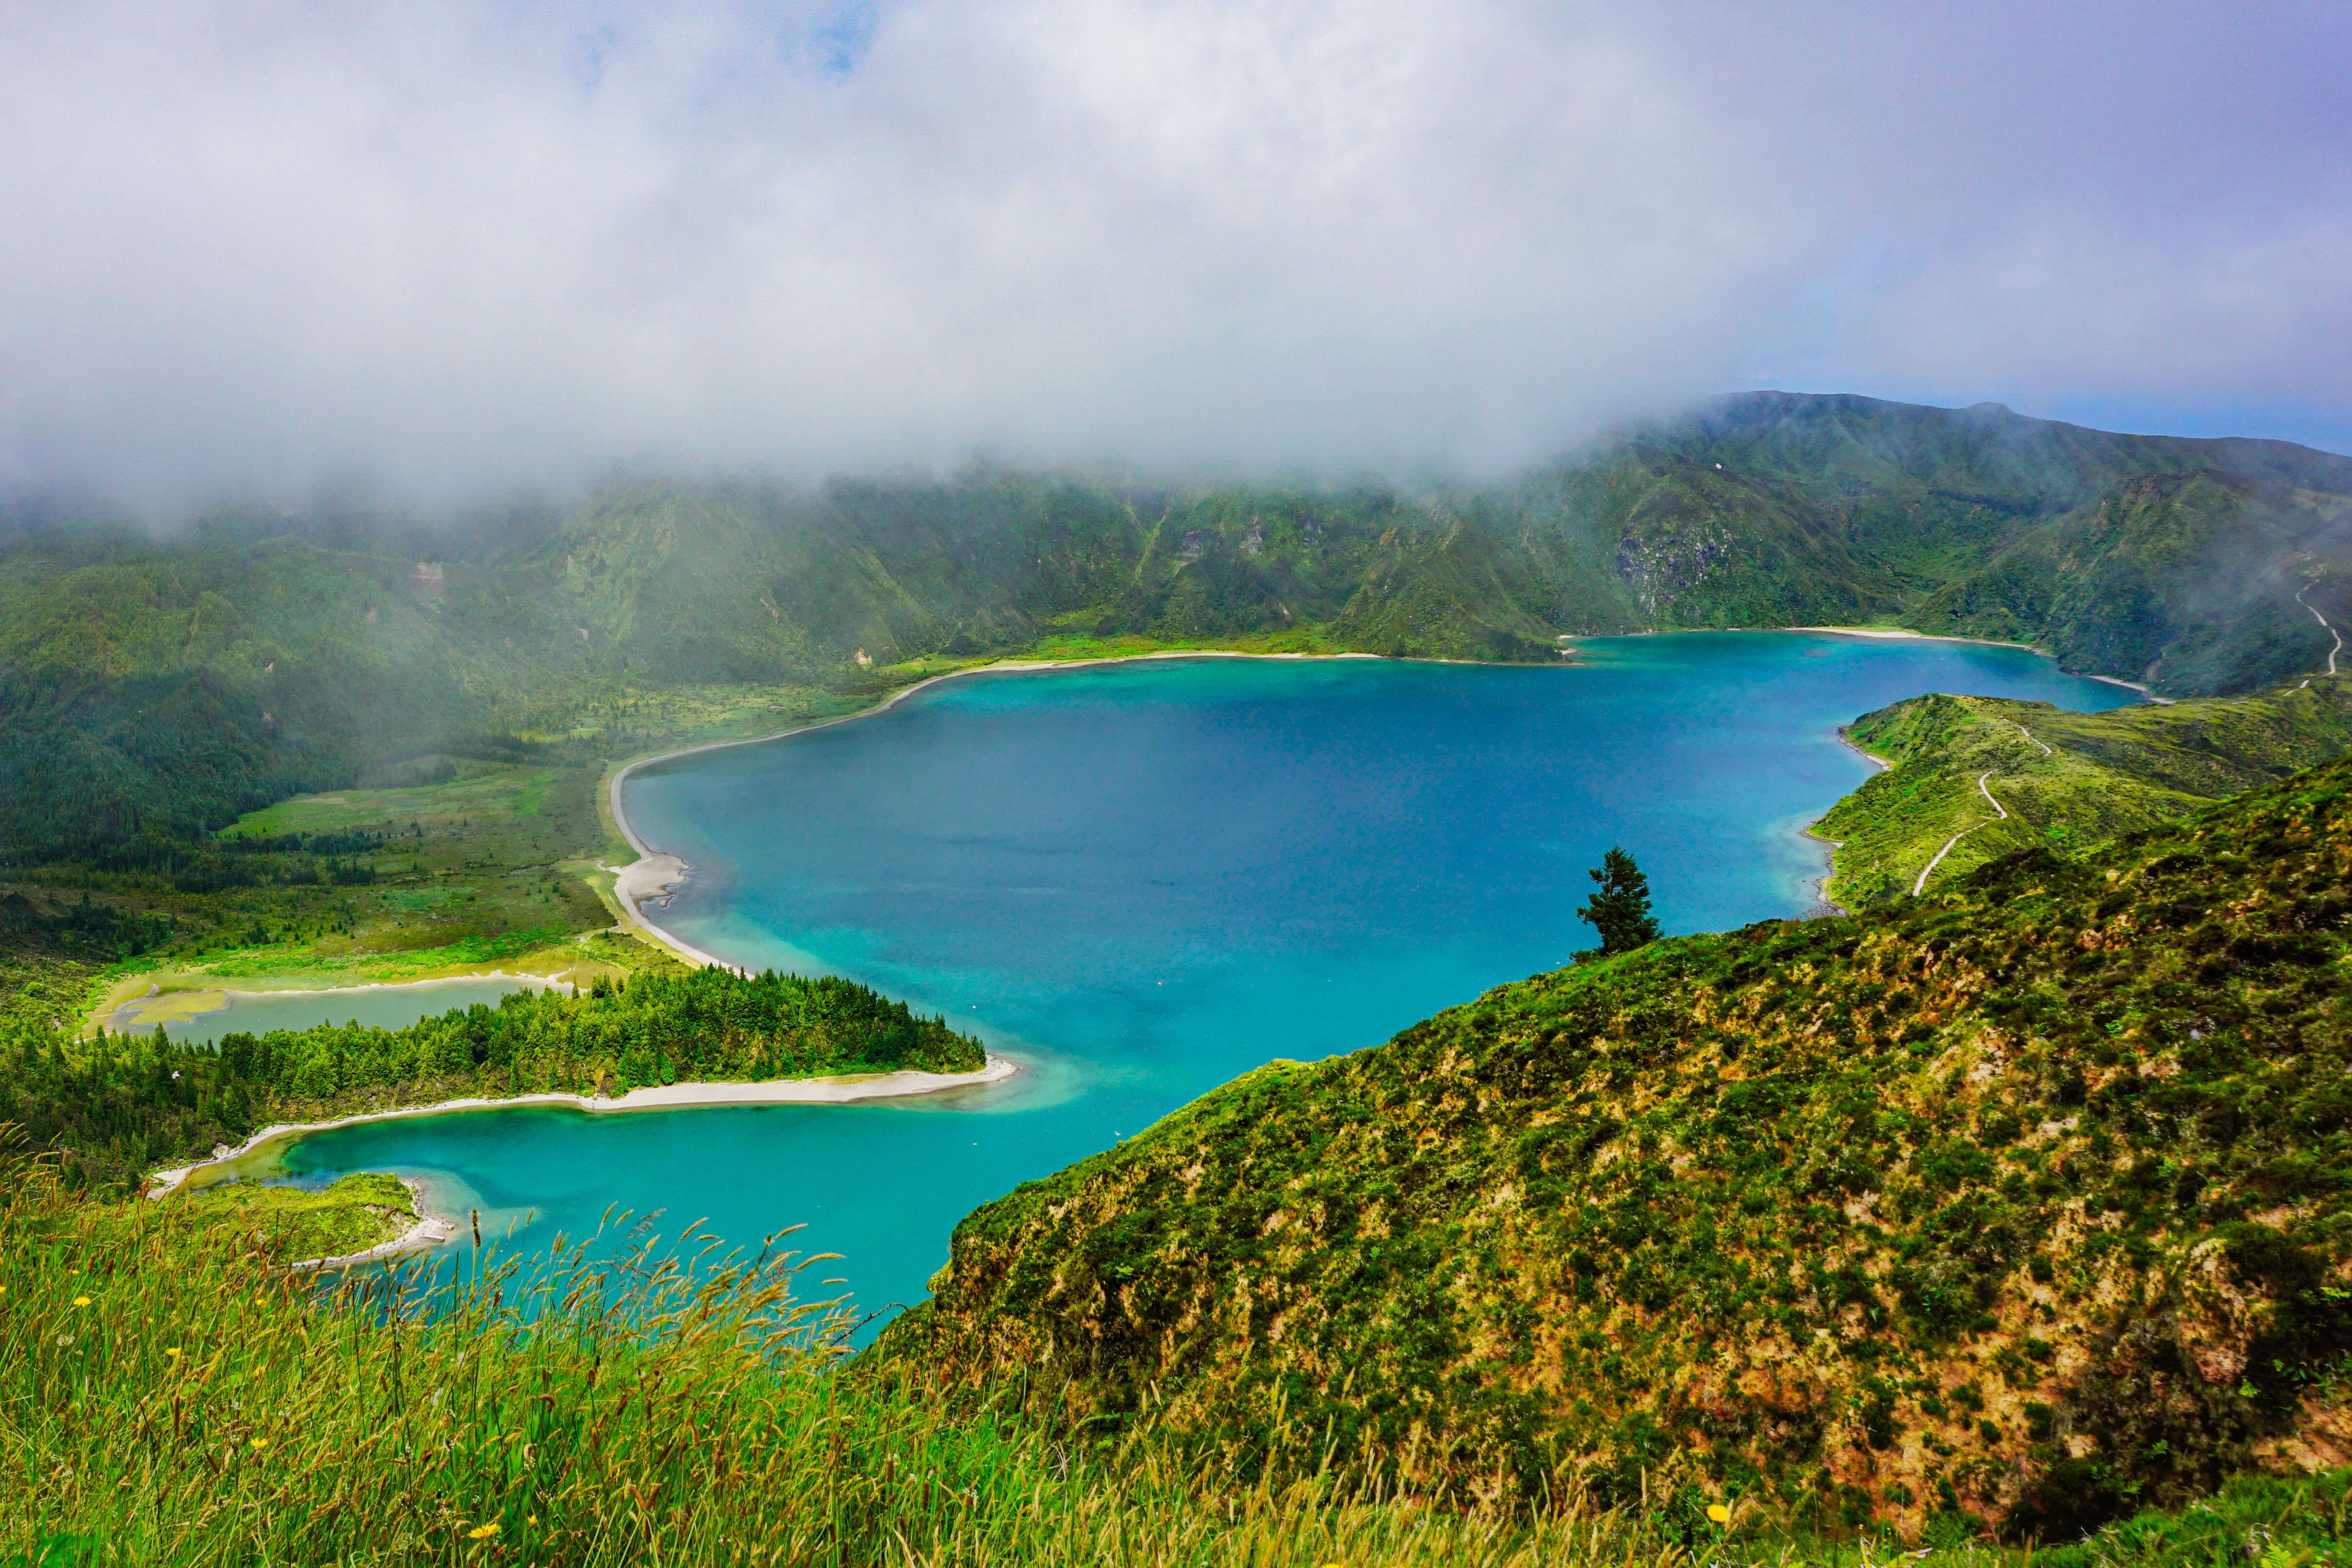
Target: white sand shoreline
(659, 1097)
(1904, 634)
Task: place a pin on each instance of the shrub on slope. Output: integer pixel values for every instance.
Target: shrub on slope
(2026, 1202)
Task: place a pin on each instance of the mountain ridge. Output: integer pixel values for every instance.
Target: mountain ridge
(301, 653)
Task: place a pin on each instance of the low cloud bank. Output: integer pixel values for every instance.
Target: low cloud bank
(465, 248)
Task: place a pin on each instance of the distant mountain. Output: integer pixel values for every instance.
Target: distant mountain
(160, 686)
(2025, 1202)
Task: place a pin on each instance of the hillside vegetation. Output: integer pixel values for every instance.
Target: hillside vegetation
(169, 1394)
(155, 689)
(2064, 780)
(2021, 1204)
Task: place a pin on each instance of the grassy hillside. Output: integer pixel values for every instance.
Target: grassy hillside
(2022, 1203)
(169, 1394)
(2147, 558)
(2064, 779)
(151, 690)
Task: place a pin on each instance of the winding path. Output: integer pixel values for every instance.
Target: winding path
(1920, 886)
(2331, 631)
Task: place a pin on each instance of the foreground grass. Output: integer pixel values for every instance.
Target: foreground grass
(170, 1395)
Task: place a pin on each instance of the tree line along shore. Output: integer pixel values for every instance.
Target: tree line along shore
(119, 1106)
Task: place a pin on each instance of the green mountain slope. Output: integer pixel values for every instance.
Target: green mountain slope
(162, 687)
(2064, 779)
(2026, 1202)
(2148, 558)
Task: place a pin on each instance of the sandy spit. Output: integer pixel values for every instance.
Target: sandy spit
(656, 1097)
(430, 1230)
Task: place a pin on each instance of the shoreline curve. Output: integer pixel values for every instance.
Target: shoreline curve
(657, 872)
(1905, 634)
(840, 1091)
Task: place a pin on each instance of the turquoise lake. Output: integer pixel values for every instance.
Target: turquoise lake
(1141, 880)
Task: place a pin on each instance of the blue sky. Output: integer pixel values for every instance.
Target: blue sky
(466, 247)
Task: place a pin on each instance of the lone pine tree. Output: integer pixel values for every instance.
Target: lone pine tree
(1620, 908)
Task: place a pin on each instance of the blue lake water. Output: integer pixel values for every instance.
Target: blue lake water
(1144, 878)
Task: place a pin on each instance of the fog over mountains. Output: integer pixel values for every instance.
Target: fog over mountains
(163, 685)
(460, 249)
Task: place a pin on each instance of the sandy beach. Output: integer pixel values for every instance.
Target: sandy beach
(1901, 633)
(657, 1097)
(1905, 634)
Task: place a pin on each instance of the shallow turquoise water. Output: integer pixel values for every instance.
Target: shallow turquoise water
(1144, 878)
(379, 1007)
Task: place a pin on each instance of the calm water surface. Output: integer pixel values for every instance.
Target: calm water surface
(1143, 880)
(379, 1007)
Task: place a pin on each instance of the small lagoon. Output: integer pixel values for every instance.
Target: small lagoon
(1145, 879)
(202, 1017)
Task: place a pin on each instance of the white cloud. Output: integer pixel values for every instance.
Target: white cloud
(465, 246)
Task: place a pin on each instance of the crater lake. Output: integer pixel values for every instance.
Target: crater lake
(1142, 879)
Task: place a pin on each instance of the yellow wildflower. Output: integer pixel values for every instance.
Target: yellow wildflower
(81, 1301)
(1717, 1512)
(261, 1442)
(483, 1531)
(175, 1350)
(530, 1519)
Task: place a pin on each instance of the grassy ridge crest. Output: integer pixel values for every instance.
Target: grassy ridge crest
(2066, 779)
